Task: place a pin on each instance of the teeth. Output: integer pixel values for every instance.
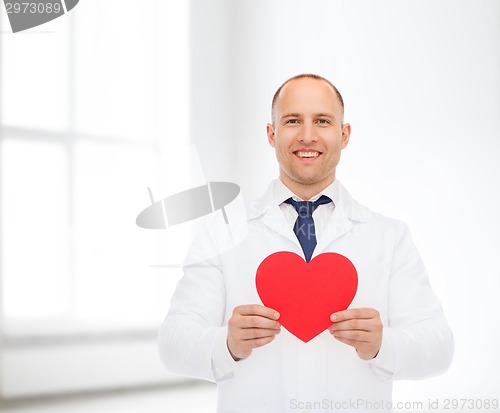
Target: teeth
(308, 154)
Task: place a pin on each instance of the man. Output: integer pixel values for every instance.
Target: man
(217, 329)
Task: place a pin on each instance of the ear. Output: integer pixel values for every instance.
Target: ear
(270, 134)
(346, 134)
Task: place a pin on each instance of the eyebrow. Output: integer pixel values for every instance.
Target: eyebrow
(291, 115)
(317, 115)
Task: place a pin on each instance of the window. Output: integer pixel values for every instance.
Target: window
(88, 103)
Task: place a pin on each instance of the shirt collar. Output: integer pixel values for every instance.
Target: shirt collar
(281, 193)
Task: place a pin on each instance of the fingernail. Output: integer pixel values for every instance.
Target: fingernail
(276, 315)
(333, 317)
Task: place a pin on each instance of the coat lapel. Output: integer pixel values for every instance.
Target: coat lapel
(271, 215)
(346, 214)
(338, 225)
(275, 220)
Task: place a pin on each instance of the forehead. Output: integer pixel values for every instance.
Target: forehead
(307, 95)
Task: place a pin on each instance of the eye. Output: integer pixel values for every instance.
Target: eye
(322, 121)
(291, 121)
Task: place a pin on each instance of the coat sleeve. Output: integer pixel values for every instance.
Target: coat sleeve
(192, 338)
(417, 341)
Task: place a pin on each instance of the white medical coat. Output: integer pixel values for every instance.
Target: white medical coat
(324, 374)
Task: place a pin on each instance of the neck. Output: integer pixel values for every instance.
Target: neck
(306, 191)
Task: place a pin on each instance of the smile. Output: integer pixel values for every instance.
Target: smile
(307, 154)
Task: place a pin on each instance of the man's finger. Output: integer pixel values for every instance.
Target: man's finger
(256, 333)
(361, 324)
(354, 336)
(249, 322)
(257, 309)
(354, 313)
(259, 342)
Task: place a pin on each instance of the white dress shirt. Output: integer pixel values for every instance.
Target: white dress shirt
(321, 214)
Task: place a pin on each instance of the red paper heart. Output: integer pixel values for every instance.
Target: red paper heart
(306, 294)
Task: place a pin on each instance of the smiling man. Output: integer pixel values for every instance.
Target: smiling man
(217, 328)
(308, 133)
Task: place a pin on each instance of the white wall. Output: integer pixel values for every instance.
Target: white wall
(422, 91)
(90, 104)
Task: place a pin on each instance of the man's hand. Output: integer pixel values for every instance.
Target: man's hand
(360, 328)
(249, 327)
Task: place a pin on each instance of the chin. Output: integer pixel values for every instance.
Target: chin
(308, 180)
(307, 176)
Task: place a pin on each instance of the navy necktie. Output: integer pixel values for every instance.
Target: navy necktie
(304, 225)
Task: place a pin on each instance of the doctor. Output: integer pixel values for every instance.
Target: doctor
(217, 328)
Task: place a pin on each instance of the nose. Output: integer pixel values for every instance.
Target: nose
(307, 134)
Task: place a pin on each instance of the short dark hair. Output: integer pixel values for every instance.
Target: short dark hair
(302, 76)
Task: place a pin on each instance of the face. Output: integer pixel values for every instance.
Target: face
(308, 135)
